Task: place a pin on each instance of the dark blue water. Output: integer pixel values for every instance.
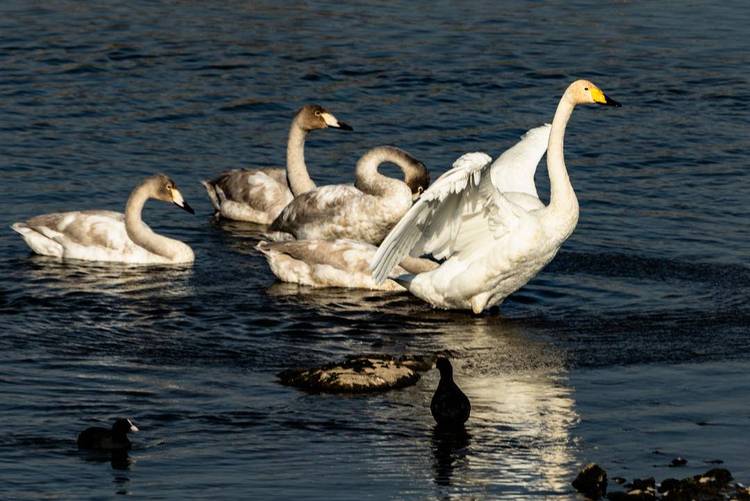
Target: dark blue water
(629, 349)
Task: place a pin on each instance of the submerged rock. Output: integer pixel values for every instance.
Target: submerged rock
(591, 481)
(715, 484)
(359, 374)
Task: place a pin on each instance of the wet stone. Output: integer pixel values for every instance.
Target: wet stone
(619, 480)
(359, 374)
(678, 461)
(591, 481)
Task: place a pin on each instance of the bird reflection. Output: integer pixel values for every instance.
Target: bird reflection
(109, 278)
(450, 446)
(118, 459)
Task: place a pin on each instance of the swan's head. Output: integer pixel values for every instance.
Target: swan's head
(123, 426)
(585, 92)
(166, 190)
(314, 116)
(417, 178)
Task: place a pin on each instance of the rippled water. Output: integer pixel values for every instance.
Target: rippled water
(629, 349)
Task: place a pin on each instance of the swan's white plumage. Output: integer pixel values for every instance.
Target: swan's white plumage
(102, 235)
(465, 205)
(91, 235)
(493, 241)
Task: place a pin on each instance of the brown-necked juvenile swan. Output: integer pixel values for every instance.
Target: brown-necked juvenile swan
(102, 235)
(258, 195)
(334, 263)
(494, 234)
(366, 211)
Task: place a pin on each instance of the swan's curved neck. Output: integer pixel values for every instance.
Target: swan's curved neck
(371, 181)
(296, 170)
(142, 234)
(563, 202)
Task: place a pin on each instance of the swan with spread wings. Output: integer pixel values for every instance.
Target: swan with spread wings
(486, 221)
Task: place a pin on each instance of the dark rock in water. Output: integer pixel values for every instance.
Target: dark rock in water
(634, 495)
(678, 461)
(641, 484)
(668, 484)
(619, 480)
(742, 493)
(713, 461)
(591, 481)
(717, 477)
(359, 374)
(714, 484)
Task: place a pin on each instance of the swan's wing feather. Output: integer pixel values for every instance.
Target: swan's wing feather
(435, 219)
(98, 228)
(514, 170)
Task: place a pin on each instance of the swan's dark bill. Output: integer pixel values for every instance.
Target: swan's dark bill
(185, 206)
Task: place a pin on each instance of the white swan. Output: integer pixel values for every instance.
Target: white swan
(366, 211)
(258, 195)
(101, 235)
(333, 263)
(486, 220)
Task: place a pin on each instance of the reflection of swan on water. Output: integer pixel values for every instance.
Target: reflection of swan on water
(486, 220)
(112, 279)
(101, 235)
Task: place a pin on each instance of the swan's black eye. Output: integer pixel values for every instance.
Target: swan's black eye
(585, 88)
(317, 113)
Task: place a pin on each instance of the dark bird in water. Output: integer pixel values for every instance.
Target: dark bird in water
(103, 438)
(449, 406)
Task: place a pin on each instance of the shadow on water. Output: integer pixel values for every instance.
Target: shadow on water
(449, 450)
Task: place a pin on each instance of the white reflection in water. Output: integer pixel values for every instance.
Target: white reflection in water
(519, 437)
(113, 279)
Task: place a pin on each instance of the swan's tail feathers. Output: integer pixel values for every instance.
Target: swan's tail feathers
(404, 280)
(38, 242)
(213, 195)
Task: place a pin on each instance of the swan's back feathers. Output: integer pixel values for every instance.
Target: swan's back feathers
(100, 228)
(514, 170)
(320, 204)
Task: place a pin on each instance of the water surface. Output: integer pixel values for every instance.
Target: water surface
(630, 348)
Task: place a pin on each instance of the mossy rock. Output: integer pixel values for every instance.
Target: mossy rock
(359, 374)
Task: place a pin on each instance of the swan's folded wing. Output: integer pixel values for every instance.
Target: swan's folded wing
(514, 170)
(434, 221)
(87, 228)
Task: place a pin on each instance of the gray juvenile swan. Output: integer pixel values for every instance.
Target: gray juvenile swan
(258, 195)
(366, 211)
(334, 263)
(102, 235)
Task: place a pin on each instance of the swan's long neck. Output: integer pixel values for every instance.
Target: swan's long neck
(142, 234)
(296, 170)
(371, 181)
(563, 202)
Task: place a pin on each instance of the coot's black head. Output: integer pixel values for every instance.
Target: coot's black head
(123, 426)
(444, 366)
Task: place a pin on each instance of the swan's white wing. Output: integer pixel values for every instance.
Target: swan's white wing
(514, 170)
(466, 205)
(447, 217)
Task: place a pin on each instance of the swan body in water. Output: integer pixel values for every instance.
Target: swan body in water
(259, 195)
(333, 263)
(102, 235)
(486, 220)
(366, 211)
